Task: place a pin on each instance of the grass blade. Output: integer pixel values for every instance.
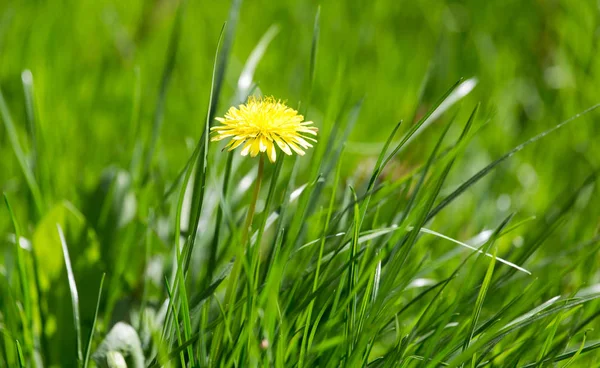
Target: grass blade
(199, 156)
(27, 80)
(73, 290)
(583, 349)
(27, 318)
(21, 159)
(428, 231)
(313, 59)
(91, 337)
(486, 170)
(480, 299)
(455, 93)
(20, 357)
(576, 355)
(244, 85)
(223, 57)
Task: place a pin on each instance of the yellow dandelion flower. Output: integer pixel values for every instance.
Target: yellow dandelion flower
(261, 124)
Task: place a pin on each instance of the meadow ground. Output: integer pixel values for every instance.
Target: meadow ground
(448, 214)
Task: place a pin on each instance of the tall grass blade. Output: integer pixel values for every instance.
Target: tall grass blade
(314, 47)
(223, 57)
(21, 159)
(570, 354)
(27, 318)
(27, 80)
(73, 291)
(436, 111)
(480, 299)
(244, 85)
(510, 264)
(20, 357)
(88, 349)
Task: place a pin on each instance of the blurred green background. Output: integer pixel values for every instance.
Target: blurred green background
(536, 63)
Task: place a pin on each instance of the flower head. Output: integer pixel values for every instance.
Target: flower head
(262, 123)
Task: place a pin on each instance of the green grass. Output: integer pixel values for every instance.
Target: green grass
(447, 216)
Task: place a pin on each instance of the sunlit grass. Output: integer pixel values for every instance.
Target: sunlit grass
(455, 239)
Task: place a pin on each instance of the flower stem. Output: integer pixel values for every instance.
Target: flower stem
(239, 259)
(252, 208)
